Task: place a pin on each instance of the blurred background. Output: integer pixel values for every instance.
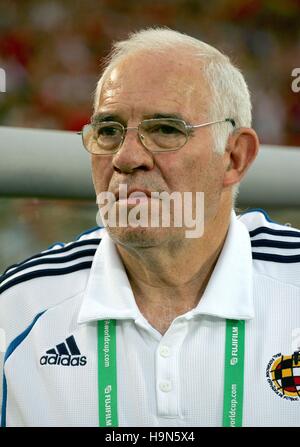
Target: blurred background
(52, 51)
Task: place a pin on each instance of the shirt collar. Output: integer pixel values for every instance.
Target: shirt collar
(228, 293)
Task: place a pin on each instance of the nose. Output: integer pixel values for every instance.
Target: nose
(132, 155)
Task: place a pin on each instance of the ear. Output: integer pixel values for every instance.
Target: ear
(241, 150)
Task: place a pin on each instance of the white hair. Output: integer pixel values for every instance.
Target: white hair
(230, 97)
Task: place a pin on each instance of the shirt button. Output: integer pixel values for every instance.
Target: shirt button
(165, 351)
(165, 386)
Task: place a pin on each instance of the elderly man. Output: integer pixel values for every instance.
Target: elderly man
(140, 325)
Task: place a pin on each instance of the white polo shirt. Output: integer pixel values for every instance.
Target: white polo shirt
(50, 304)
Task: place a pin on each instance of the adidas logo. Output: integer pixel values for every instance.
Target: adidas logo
(65, 354)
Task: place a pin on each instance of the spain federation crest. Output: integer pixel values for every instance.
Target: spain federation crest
(283, 375)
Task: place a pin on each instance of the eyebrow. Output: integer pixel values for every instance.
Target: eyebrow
(103, 117)
(177, 116)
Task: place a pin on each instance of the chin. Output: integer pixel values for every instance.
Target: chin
(142, 237)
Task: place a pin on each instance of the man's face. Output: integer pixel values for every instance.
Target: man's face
(141, 87)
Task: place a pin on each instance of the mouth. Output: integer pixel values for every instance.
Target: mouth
(133, 194)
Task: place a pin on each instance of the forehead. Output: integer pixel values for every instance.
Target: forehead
(148, 83)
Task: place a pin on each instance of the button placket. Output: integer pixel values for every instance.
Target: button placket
(167, 374)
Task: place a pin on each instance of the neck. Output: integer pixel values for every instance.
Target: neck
(169, 279)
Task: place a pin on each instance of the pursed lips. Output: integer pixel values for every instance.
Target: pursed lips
(133, 193)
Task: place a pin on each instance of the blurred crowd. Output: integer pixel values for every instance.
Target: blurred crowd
(52, 53)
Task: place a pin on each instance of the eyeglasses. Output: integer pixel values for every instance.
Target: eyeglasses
(156, 134)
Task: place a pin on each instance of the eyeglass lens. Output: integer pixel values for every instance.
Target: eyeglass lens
(155, 135)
